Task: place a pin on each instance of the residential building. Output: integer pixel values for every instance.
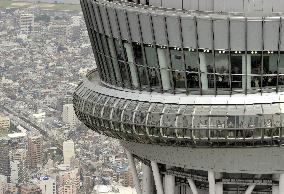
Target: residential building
(26, 23)
(35, 150)
(48, 185)
(68, 151)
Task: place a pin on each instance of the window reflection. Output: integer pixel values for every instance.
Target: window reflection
(166, 69)
(237, 71)
(152, 66)
(254, 78)
(269, 80)
(178, 67)
(139, 60)
(121, 63)
(222, 71)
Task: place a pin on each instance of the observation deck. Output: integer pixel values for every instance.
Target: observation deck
(191, 88)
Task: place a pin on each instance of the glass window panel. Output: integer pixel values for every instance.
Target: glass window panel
(124, 70)
(151, 56)
(108, 108)
(281, 72)
(169, 116)
(255, 75)
(218, 117)
(117, 110)
(137, 49)
(191, 61)
(236, 70)
(179, 79)
(192, 80)
(140, 117)
(99, 106)
(270, 71)
(154, 119)
(154, 77)
(222, 70)
(128, 116)
(139, 60)
(176, 58)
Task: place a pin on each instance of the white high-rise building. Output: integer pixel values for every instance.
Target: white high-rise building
(26, 23)
(68, 115)
(47, 185)
(68, 151)
(18, 166)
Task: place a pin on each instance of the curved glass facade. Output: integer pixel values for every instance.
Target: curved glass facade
(181, 124)
(158, 53)
(185, 74)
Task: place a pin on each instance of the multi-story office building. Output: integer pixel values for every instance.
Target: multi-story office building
(68, 115)
(5, 148)
(18, 166)
(26, 23)
(68, 151)
(4, 124)
(35, 151)
(192, 88)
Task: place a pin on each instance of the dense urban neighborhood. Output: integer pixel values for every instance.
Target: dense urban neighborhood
(44, 148)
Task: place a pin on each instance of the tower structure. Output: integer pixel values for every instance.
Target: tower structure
(192, 88)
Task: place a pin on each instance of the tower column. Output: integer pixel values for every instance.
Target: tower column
(281, 184)
(192, 186)
(169, 184)
(246, 70)
(250, 189)
(157, 178)
(275, 189)
(134, 75)
(219, 188)
(134, 171)
(148, 182)
(203, 69)
(218, 185)
(211, 180)
(164, 65)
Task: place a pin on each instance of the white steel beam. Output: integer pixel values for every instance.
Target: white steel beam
(211, 180)
(148, 181)
(157, 178)
(192, 186)
(169, 184)
(250, 189)
(134, 171)
(281, 184)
